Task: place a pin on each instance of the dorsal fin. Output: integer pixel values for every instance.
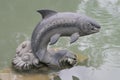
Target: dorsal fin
(46, 13)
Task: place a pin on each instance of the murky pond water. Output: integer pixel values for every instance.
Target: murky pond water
(19, 17)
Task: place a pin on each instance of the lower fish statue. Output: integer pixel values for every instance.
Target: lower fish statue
(25, 60)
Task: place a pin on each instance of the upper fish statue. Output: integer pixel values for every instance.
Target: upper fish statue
(56, 24)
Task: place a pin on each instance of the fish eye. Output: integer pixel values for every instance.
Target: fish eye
(91, 26)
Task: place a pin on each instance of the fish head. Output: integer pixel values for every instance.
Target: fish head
(89, 26)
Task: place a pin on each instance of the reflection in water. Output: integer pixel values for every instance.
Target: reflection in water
(8, 74)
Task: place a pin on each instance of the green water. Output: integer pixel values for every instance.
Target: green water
(19, 17)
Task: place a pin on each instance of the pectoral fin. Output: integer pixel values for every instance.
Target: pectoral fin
(74, 37)
(54, 39)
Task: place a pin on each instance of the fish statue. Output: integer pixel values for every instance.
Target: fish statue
(59, 24)
(35, 54)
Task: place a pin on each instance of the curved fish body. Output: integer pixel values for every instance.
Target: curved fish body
(56, 24)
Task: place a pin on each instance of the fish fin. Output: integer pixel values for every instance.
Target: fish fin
(74, 37)
(46, 13)
(54, 39)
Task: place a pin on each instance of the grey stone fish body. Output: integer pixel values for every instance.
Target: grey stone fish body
(59, 24)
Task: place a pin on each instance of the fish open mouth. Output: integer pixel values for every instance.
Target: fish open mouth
(96, 30)
(68, 62)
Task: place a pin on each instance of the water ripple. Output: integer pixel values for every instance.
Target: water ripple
(112, 57)
(103, 47)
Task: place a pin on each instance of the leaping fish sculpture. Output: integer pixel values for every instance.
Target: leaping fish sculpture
(56, 24)
(47, 32)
